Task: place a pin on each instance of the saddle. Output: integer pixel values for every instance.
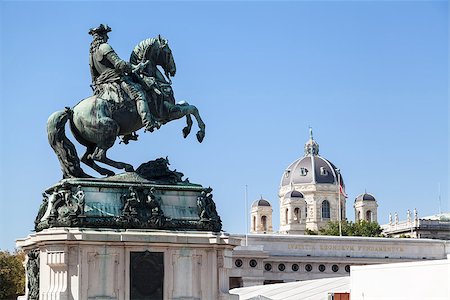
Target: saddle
(115, 95)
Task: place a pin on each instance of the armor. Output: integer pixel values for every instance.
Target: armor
(108, 69)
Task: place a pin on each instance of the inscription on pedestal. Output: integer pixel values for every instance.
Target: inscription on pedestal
(146, 275)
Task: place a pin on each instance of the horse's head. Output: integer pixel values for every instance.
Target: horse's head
(156, 51)
(165, 57)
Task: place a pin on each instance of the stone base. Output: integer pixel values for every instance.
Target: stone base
(79, 263)
(128, 201)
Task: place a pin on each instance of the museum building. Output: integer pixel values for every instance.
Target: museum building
(312, 193)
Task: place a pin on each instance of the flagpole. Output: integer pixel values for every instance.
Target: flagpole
(339, 203)
(246, 215)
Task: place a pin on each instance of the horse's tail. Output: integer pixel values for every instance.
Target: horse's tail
(63, 147)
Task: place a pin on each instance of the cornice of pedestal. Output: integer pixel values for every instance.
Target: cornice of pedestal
(72, 236)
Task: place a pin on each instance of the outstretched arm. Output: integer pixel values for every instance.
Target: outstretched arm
(118, 63)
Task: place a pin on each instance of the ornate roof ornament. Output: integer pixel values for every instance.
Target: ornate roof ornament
(311, 146)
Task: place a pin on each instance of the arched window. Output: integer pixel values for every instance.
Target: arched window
(369, 216)
(297, 215)
(296, 194)
(359, 216)
(264, 223)
(325, 209)
(254, 223)
(286, 214)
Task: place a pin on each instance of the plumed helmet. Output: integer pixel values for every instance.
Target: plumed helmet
(102, 29)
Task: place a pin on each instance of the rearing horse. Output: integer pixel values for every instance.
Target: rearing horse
(96, 122)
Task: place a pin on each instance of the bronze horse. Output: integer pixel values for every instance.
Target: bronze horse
(96, 121)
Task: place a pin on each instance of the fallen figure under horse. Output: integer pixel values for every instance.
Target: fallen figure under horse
(97, 121)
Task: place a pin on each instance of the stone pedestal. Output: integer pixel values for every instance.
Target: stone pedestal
(77, 263)
(138, 235)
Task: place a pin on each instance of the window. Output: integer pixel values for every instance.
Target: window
(303, 171)
(267, 267)
(335, 268)
(323, 171)
(235, 282)
(286, 214)
(347, 268)
(297, 215)
(254, 223)
(308, 268)
(296, 194)
(287, 173)
(359, 216)
(281, 267)
(264, 223)
(369, 216)
(325, 209)
(295, 267)
(238, 263)
(253, 263)
(322, 268)
(272, 281)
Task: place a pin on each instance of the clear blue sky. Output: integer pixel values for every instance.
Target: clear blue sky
(371, 78)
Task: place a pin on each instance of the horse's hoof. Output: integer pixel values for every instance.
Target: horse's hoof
(129, 168)
(200, 136)
(186, 132)
(108, 173)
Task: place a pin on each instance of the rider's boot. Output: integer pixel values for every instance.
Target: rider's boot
(150, 124)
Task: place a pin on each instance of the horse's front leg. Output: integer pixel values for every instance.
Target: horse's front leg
(187, 129)
(178, 111)
(200, 123)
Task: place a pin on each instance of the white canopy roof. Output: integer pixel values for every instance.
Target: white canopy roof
(316, 289)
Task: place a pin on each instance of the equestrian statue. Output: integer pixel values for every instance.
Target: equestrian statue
(127, 96)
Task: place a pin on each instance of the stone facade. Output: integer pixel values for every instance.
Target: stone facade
(261, 217)
(318, 205)
(431, 227)
(285, 258)
(366, 208)
(96, 264)
(311, 193)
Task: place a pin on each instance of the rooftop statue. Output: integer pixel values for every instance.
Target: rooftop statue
(127, 96)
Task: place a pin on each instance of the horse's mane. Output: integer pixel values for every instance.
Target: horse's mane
(139, 51)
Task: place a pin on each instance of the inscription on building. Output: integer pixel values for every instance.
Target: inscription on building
(345, 248)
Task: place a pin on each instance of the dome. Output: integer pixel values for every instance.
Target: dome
(311, 168)
(365, 197)
(261, 202)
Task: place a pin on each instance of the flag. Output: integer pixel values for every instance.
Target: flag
(341, 190)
